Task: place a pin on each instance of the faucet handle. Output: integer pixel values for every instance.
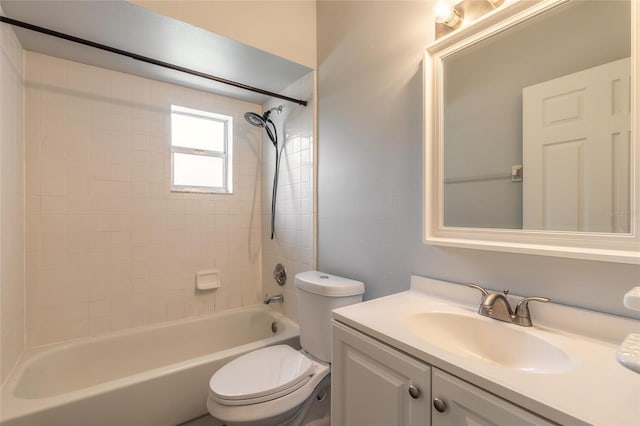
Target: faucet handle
(484, 292)
(522, 309)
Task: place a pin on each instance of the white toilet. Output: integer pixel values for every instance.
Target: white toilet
(278, 385)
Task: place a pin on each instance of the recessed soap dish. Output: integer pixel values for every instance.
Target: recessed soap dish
(208, 280)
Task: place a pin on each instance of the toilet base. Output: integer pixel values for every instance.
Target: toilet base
(319, 413)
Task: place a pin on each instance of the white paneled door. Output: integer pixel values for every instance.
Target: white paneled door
(576, 151)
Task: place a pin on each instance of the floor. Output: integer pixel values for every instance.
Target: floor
(205, 420)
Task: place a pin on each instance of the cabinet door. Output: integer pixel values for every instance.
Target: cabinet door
(467, 405)
(370, 383)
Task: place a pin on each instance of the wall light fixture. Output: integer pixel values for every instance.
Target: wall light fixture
(451, 14)
(448, 15)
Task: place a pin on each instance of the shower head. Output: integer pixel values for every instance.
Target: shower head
(261, 120)
(270, 128)
(254, 119)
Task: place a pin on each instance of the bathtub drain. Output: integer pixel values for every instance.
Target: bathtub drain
(274, 327)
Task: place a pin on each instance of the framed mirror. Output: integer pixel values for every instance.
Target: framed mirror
(530, 131)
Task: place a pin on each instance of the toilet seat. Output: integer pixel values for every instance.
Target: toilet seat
(270, 402)
(260, 376)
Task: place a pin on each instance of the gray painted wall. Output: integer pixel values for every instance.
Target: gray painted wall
(370, 117)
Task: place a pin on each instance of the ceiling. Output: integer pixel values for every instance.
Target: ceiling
(125, 26)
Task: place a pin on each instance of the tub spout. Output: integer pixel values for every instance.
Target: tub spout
(278, 298)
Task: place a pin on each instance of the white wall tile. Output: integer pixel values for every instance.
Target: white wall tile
(110, 241)
(12, 200)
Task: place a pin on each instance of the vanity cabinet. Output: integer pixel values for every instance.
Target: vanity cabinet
(374, 384)
(465, 404)
(371, 382)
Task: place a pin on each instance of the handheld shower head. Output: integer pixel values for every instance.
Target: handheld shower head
(269, 126)
(258, 120)
(255, 119)
(262, 120)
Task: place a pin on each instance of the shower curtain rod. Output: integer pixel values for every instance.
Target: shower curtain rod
(146, 59)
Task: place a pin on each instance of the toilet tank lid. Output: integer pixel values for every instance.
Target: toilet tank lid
(328, 285)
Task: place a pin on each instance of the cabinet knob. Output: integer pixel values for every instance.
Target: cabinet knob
(439, 405)
(414, 392)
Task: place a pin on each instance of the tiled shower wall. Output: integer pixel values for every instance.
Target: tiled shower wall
(293, 245)
(11, 201)
(109, 246)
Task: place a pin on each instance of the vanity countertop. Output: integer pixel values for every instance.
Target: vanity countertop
(595, 390)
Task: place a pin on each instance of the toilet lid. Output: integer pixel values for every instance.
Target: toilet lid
(260, 373)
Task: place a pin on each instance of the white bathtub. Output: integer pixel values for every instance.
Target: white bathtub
(153, 376)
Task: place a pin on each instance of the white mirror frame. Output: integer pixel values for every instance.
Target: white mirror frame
(622, 248)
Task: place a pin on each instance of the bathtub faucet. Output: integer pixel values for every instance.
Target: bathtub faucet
(279, 298)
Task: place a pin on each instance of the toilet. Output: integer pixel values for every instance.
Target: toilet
(279, 385)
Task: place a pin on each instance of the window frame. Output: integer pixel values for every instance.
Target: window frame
(226, 154)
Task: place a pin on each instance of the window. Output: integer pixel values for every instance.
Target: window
(201, 147)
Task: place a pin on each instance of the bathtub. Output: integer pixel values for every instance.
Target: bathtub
(156, 375)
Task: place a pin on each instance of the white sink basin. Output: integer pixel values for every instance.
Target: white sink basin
(498, 343)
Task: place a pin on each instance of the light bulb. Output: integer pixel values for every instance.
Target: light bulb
(441, 11)
(447, 14)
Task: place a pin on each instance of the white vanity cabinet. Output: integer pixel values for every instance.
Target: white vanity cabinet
(461, 403)
(374, 384)
(371, 382)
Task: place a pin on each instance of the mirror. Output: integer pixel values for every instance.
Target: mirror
(529, 128)
(531, 101)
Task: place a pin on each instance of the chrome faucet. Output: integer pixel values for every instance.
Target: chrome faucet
(278, 298)
(497, 306)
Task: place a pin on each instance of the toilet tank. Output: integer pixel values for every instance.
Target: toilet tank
(318, 294)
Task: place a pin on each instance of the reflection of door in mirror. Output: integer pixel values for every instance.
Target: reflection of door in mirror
(576, 151)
